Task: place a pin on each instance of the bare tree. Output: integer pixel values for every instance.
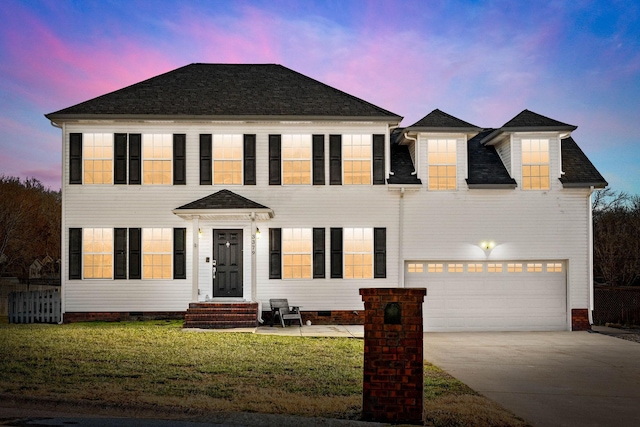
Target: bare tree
(616, 235)
(30, 218)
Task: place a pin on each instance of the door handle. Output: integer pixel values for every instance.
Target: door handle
(214, 270)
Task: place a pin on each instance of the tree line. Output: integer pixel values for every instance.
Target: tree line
(30, 222)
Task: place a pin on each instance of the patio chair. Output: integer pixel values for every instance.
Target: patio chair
(281, 308)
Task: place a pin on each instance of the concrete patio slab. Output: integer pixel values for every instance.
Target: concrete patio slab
(547, 378)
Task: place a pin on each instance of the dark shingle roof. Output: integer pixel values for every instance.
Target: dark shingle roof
(578, 169)
(223, 199)
(528, 119)
(402, 166)
(486, 169)
(438, 120)
(227, 91)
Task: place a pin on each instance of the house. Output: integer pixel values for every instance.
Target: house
(214, 187)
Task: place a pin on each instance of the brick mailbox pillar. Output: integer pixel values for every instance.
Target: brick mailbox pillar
(393, 355)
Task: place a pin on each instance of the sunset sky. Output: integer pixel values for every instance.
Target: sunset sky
(481, 61)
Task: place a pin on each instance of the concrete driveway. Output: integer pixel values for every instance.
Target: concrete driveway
(547, 378)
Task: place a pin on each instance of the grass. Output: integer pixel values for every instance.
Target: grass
(160, 365)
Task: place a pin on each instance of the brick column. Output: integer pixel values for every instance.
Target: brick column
(393, 355)
(580, 319)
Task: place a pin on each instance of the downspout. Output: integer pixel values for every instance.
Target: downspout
(401, 240)
(254, 264)
(590, 216)
(62, 225)
(417, 152)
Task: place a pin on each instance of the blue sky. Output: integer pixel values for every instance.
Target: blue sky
(481, 61)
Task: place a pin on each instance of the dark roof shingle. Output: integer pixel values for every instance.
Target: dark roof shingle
(528, 119)
(223, 199)
(227, 90)
(486, 169)
(439, 120)
(578, 169)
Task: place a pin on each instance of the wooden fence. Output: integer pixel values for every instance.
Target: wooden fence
(35, 307)
(616, 304)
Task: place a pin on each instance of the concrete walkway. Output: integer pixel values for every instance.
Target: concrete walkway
(345, 331)
(547, 378)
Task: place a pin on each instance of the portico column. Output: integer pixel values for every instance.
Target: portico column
(195, 231)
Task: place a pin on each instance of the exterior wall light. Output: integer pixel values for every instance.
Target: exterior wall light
(487, 245)
(257, 233)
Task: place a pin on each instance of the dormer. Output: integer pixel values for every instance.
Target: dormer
(530, 147)
(437, 144)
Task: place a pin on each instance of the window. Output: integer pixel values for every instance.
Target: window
(434, 268)
(534, 268)
(157, 247)
(296, 159)
(494, 268)
(98, 253)
(454, 268)
(356, 159)
(474, 268)
(554, 267)
(157, 154)
(297, 244)
(415, 268)
(358, 253)
(535, 164)
(514, 268)
(97, 149)
(227, 159)
(442, 164)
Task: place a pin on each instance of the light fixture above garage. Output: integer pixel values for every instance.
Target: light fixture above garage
(487, 245)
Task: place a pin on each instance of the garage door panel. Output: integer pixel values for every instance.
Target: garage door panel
(489, 301)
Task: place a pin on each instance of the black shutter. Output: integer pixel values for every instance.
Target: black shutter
(335, 161)
(75, 253)
(336, 253)
(249, 160)
(274, 159)
(318, 160)
(135, 159)
(205, 159)
(275, 253)
(378, 160)
(120, 158)
(135, 253)
(75, 158)
(120, 253)
(179, 253)
(179, 159)
(379, 253)
(318, 253)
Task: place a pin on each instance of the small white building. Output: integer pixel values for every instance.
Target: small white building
(222, 184)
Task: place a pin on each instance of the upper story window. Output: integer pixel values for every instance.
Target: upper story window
(535, 164)
(157, 155)
(356, 159)
(296, 159)
(97, 149)
(358, 253)
(157, 250)
(297, 244)
(442, 164)
(227, 159)
(97, 253)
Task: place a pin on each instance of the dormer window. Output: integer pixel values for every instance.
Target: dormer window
(535, 164)
(442, 164)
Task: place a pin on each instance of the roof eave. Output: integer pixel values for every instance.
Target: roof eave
(66, 118)
(594, 184)
(489, 139)
(487, 186)
(466, 130)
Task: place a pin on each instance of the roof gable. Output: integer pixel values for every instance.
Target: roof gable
(227, 91)
(438, 120)
(528, 119)
(223, 199)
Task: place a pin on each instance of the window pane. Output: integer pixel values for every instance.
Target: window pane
(297, 246)
(535, 164)
(442, 161)
(157, 253)
(227, 159)
(97, 253)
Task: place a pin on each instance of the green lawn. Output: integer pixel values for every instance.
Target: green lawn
(160, 365)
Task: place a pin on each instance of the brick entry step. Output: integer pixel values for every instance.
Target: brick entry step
(208, 315)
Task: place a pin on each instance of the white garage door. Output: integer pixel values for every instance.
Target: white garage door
(491, 296)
